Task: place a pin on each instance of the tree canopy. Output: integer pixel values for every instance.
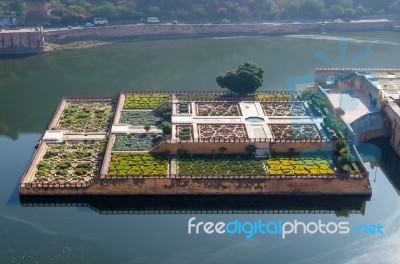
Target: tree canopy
(67, 11)
(246, 79)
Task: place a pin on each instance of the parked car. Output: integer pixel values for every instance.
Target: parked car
(89, 25)
(225, 20)
(153, 20)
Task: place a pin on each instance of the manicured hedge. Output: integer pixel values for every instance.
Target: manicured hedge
(293, 165)
(144, 101)
(223, 165)
(140, 164)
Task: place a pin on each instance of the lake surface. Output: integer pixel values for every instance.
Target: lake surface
(31, 88)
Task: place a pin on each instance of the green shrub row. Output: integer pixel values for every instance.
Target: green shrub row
(140, 164)
(144, 101)
(140, 118)
(136, 142)
(220, 165)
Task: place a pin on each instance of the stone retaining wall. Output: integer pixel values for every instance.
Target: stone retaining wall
(189, 186)
(164, 30)
(392, 111)
(21, 42)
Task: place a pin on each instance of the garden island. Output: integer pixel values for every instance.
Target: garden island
(191, 142)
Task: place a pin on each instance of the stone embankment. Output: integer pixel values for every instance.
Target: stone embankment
(28, 41)
(193, 30)
(24, 41)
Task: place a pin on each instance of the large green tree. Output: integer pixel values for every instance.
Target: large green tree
(246, 79)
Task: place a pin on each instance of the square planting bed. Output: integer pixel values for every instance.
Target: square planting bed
(222, 132)
(138, 164)
(295, 131)
(144, 101)
(86, 117)
(221, 165)
(218, 109)
(283, 109)
(184, 132)
(136, 142)
(299, 165)
(71, 162)
(140, 118)
(274, 97)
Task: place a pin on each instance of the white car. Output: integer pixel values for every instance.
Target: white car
(225, 20)
(89, 25)
(153, 20)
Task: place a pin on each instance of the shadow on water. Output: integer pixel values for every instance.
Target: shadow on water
(17, 56)
(339, 205)
(389, 162)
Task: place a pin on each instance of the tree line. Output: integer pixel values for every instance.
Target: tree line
(245, 10)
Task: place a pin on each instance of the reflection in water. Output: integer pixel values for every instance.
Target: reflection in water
(339, 205)
(31, 87)
(389, 162)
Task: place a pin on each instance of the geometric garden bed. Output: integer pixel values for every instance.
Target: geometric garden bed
(70, 162)
(299, 165)
(295, 131)
(222, 132)
(86, 117)
(136, 142)
(138, 164)
(283, 109)
(221, 165)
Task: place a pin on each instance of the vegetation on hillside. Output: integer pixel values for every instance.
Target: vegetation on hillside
(67, 11)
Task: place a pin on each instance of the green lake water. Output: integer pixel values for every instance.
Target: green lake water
(31, 88)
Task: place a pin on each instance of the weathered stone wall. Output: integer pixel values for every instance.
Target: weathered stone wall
(161, 30)
(204, 147)
(392, 111)
(302, 146)
(164, 30)
(213, 187)
(369, 126)
(240, 147)
(362, 26)
(23, 42)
